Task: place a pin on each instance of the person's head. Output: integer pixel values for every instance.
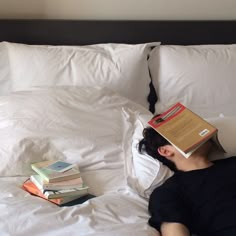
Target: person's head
(156, 146)
(159, 148)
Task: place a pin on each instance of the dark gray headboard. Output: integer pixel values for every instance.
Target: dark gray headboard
(77, 32)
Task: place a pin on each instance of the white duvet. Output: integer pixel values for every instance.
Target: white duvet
(89, 126)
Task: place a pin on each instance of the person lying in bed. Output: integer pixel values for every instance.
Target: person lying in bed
(200, 198)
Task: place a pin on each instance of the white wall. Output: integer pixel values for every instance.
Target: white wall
(119, 9)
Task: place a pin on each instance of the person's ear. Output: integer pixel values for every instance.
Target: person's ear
(166, 151)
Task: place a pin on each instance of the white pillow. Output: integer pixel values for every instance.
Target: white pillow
(5, 84)
(201, 77)
(121, 67)
(145, 172)
(226, 133)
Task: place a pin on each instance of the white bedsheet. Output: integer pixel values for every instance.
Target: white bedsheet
(117, 213)
(89, 126)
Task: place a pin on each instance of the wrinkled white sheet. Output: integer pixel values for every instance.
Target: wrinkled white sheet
(110, 214)
(89, 126)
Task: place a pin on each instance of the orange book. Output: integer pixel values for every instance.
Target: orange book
(30, 187)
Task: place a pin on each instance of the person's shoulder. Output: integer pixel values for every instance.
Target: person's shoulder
(231, 159)
(166, 192)
(169, 185)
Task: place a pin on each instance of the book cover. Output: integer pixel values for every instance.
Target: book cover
(60, 166)
(52, 176)
(67, 184)
(30, 187)
(184, 129)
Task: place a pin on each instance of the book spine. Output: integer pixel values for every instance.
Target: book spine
(64, 187)
(63, 178)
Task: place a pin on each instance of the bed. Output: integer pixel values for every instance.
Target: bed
(82, 91)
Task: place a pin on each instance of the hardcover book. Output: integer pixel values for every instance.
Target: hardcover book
(31, 188)
(184, 129)
(67, 184)
(53, 176)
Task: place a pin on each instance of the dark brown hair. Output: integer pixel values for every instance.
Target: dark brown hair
(150, 143)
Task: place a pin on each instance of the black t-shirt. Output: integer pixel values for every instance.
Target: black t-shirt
(203, 200)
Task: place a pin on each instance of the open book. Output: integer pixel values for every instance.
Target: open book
(184, 129)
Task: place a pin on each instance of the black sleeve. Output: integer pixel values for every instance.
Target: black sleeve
(167, 204)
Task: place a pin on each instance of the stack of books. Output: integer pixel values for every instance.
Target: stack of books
(57, 181)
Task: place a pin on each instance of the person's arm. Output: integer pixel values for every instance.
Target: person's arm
(176, 229)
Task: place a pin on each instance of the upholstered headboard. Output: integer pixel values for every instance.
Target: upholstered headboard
(71, 32)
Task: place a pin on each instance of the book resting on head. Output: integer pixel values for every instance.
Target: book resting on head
(184, 129)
